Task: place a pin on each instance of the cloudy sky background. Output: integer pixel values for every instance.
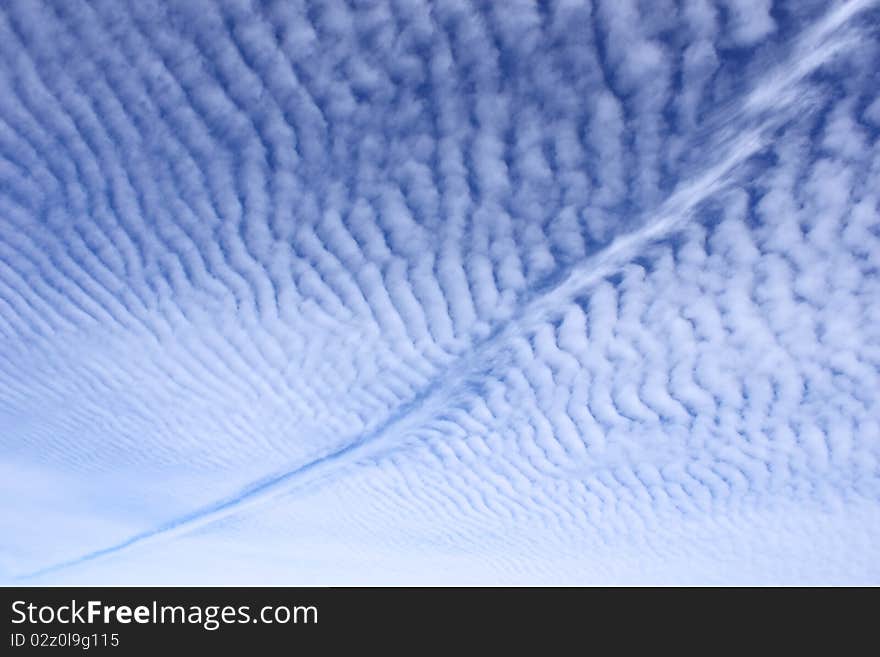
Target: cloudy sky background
(440, 292)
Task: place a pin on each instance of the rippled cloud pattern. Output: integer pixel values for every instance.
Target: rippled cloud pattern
(411, 291)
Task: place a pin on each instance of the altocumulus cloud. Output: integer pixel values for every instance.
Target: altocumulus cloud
(409, 291)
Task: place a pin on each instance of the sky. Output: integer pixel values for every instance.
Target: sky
(452, 292)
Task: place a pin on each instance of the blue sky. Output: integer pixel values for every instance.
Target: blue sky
(440, 292)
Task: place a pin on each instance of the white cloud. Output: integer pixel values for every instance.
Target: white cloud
(456, 291)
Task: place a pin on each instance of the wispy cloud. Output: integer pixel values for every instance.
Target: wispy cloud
(449, 291)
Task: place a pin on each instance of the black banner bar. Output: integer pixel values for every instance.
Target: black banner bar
(329, 620)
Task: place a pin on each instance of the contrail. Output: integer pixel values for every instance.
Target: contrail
(745, 133)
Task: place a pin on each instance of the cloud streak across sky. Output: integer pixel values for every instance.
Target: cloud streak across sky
(439, 292)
